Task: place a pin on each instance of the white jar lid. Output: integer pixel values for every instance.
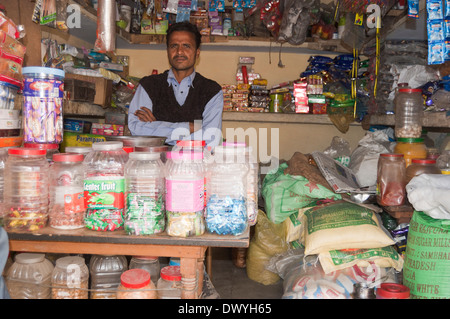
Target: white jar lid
(29, 258)
(107, 146)
(145, 156)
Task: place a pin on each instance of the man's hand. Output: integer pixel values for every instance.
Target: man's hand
(145, 115)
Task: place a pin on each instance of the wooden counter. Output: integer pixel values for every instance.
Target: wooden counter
(191, 251)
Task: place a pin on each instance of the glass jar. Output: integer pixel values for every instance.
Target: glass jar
(421, 166)
(144, 194)
(51, 149)
(136, 284)
(409, 113)
(151, 264)
(392, 291)
(70, 278)
(391, 180)
(104, 185)
(29, 277)
(26, 184)
(162, 150)
(78, 149)
(66, 191)
(169, 284)
(226, 210)
(443, 162)
(105, 272)
(411, 148)
(185, 187)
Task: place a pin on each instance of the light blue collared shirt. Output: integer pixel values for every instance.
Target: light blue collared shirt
(211, 125)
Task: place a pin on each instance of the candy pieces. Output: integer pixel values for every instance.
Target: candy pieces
(104, 219)
(226, 216)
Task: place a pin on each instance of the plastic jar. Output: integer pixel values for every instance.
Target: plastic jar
(169, 284)
(26, 196)
(162, 150)
(392, 291)
(85, 150)
(104, 185)
(409, 113)
(51, 149)
(185, 187)
(391, 180)
(411, 148)
(136, 284)
(144, 194)
(66, 191)
(421, 166)
(3, 158)
(443, 162)
(43, 93)
(226, 208)
(29, 277)
(70, 278)
(151, 264)
(105, 272)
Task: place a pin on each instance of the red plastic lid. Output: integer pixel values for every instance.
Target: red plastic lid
(26, 151)
(41, 146)
(68, 157)
(392, 155)
(393, 291)
(410, 90)
(128, 149)
(423, 161)
(135, 278)
(171, 273)
(191, 143)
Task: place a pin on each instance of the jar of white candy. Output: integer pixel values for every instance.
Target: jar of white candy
(409, 113)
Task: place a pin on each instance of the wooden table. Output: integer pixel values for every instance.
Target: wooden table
(191, 250)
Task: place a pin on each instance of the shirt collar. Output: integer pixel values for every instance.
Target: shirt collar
(171, 78)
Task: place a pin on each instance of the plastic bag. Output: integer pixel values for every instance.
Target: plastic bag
(339, 150)
(295, 21)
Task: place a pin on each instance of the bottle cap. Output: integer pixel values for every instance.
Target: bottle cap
(171, 273)
(393, 291)
(26, 151)
(135, 278)
(68, 157)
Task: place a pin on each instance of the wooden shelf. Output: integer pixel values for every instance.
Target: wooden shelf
(430, 119)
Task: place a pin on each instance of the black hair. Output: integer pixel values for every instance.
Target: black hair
(184, 26)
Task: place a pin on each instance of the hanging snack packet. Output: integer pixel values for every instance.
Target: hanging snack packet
(413, 9)
(446, 9)
(434, 10)
(436, 52)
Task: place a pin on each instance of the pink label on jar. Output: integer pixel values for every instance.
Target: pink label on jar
(184, 195)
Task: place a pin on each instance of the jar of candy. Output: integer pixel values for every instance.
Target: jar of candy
(144, 194)
(105, 272)
(51, 149)
(392, 291)
(25, 194)
(421, 166)
(104, 185)
(169, 284)
(151, 264)
(443, 162)
(391, 180)
(226, 208)
(185, 186)
(70, 278)
(42, 114)
(29, 277)
(411, 148)
(409, 113)
(136, 284)
(3, 158)
(78, 149)
(162, 150)
(66, 191)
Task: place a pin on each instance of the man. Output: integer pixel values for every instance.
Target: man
(180, 101)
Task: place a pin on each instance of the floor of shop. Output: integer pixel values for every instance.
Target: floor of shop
(231, 282)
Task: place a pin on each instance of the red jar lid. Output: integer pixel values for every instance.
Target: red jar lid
(68, 157)
(410, 90)
(191, 143)
(41, 146)
(171, 273)
(135, 278)
(392, 155)
(128, 149)
(423, 161)
(393, 291)
(26, 151)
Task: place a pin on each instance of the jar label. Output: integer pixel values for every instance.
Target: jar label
(104, 193)
(74, 203)
(185, 195)
(43, 88)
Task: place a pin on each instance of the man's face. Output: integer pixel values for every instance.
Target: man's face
(182, 51)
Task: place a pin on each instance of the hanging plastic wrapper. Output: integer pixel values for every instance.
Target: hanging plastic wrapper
(106, 26)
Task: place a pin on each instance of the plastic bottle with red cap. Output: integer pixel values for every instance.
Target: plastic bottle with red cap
(169, 283)
(136, 284)
(392, 291)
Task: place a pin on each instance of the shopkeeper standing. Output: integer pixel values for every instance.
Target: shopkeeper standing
(179, 103)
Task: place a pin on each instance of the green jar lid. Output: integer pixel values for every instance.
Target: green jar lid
(410, 140)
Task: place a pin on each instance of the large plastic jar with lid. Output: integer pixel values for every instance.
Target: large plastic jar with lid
(421, 166)
(411, 148)
(26, 196)
(70, 278)
(42, 113)
(443, 162)
(226, 208)
(161, 150)
(149, 263)
(66, 191)
(409, 113)
(185, 187)
(104, 185)
(29, 277)
(392, 291)
(3, 158)
(105, 272)
(169, 284)
(136, 284)
(391, 180)
(51, 149)
(144, 194)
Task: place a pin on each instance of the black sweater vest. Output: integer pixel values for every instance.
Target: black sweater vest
(165, 105)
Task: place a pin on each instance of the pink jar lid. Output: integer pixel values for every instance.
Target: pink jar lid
(26, 151)
(171, 273)
(68, 157)
(191, 143)
(41, 146)
(178, 155)
(235, 144)
(393, 291)
(135, 278)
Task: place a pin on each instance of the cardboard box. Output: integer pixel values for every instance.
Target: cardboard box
(107, 129)
(78, 126)
(79, 139)
(10, 124)
(9, 114)
(103, 88)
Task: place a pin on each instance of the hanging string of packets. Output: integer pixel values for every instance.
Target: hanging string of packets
(438, 31)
